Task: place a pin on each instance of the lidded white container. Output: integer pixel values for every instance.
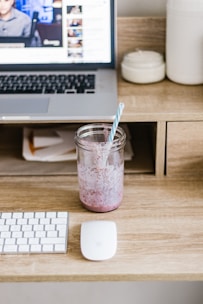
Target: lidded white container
(184, 41)
(143, 66)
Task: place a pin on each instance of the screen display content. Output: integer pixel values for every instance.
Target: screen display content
(55, 31)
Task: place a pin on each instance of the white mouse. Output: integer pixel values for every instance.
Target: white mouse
(98, 240)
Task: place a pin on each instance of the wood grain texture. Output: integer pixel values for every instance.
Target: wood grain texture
(160, 148)
(147, 33)
(185, 148)
(160, 234)
(162, 101)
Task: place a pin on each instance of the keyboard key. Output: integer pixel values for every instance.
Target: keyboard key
(17, 215)
(22, 241)
(29, 215)
(6, 215)
(27, 228)
(51, 214)
(5, 234)
(50, 227)
(24, 248)
(39, 214)
(10, 221)
(41, 234)
(28, 234)
(15, 227)
(22, 221)
(38, 227)
(47, 248)
(34, 241)
(10, 241)
(2, 222)
(33, 221)
(58, 221)
(10, 248)
(17, 234)
(62, 214)
(59, 247)
(36, 248)
(4, 228)
(52, 234)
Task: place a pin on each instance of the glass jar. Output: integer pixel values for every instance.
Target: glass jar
(100, 166)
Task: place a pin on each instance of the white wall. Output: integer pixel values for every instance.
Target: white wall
(141, 7)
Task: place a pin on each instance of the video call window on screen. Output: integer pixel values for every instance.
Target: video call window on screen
(32, 23)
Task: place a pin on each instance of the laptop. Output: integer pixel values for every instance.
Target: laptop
(64, 68)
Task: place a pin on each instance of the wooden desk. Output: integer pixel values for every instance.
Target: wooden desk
(160, 231)
(160, 222)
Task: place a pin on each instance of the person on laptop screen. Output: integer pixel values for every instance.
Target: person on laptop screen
(12, 21)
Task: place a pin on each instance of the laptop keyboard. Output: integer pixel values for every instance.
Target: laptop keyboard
(33, 232)
(47, 84)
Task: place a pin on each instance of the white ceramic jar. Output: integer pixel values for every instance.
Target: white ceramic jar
(143, 66)
(184, 41)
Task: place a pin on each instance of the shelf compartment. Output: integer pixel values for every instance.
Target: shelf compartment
(13, 164)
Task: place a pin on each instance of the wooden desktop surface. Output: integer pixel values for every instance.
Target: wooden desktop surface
(160, 221)
(160, 230)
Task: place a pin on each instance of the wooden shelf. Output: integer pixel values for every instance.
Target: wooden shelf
(143, 161)
(12, 162)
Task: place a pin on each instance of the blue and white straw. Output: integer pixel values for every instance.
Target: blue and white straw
(112, 134)
(116, 122)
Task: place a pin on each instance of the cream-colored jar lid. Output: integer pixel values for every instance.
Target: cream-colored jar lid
(143, 59)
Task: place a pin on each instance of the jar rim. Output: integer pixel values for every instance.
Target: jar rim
(98, 128)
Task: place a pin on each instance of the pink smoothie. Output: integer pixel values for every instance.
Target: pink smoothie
(101, 189)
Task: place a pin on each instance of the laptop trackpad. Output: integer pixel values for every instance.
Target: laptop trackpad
(19, 105)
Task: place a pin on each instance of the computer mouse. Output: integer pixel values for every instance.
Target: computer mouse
(98, 239)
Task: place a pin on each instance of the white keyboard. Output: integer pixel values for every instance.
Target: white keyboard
(33, 232)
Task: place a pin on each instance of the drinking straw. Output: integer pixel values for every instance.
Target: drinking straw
(111, 135)
(116, 122)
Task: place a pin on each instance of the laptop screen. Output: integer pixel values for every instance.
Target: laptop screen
(56, 33)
